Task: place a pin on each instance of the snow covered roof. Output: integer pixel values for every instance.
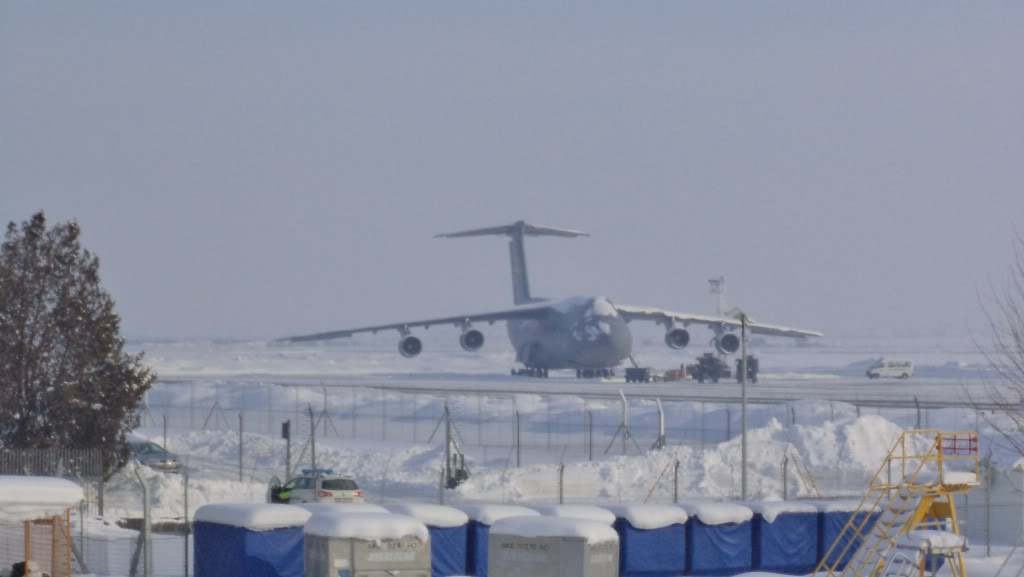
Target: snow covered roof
(342, 508)
(255, 516)
(648, 517)
(770, 510)
(721, 513)
(534, 527)
(431, 515)
(366, 526)
(24, 498)
(489, 514)
(587, 512)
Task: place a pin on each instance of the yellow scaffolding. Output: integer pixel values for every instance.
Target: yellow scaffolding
(911, 500)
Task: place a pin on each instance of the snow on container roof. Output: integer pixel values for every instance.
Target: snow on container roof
(586, 512)
(431, 515)
(25, 498)
(489, 514)
(533, 527)
(648, 517)
(342, 508)
(255, 516)
(770, 510)
(721, 513)
(366, 526)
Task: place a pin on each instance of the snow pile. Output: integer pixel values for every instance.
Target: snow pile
(431, 515)
(366, 526)
(851, 447)
(646, 517)
(535, 527)
(771, 510)
(257, 517)
(25, 498)
(490, 514)
(586, 512)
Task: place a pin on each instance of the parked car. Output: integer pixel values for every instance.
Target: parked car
(154, 456)
(316, 486)
(891, 369)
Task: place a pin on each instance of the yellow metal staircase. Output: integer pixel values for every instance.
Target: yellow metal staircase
(910, 500)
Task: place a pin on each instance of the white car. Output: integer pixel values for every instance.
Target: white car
(316, 486)
(891, 369)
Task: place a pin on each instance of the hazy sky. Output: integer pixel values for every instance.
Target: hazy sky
(253, 169)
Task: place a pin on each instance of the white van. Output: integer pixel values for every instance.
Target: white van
(891, 369)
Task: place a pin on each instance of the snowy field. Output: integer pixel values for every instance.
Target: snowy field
(818, 428)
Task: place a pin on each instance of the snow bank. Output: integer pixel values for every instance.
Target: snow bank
(23, 498)
(366, 526)
(948, 478)
(931, 539)
(534, 527)
(258, 517)
(770, 510)
(490, 514)
(648, 517)
(431, 515)
(586, 512)
(721, 513)
(838, 505)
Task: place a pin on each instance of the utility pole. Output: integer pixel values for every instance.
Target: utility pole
(743, 393)
(312, 435)
(447, 444)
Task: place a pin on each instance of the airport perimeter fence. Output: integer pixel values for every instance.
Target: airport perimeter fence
(499, 431)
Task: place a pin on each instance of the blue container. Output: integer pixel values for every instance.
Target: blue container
(785, 538)
(652, 540)
(714, 547)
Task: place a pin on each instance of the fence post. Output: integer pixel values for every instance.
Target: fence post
(312, 436)
(440, 486)
(988, 505)
(728, 423)
(240, 448)
(518, 446)
(561, 483)
(675, 482)
(785, 477)
(188, 525)
(147, 535)
(590, 434)
(918, 405)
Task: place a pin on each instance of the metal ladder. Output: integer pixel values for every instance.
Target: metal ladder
(904, 502)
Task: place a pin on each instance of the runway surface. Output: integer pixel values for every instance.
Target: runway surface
(923, 392)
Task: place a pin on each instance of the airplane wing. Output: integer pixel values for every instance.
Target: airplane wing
(662, 316)
(530, 311)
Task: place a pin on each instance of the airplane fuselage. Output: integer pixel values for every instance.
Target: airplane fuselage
(580, 333)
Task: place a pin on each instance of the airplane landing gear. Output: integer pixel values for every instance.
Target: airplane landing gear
(594, 373)
(536, 372)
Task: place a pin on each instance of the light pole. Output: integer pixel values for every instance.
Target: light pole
(743, 393)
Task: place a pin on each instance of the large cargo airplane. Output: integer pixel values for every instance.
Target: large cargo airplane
(589, 334)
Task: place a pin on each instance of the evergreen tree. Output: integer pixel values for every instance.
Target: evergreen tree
(65, 380)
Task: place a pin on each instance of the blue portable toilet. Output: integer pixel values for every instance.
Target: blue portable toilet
(449, 535)
(720, 541)
(832, 517)
(481, 517)
(249, 540)
(652, 540)
(785, 537)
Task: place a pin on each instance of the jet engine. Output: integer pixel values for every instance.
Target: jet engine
(727, 344)
(471, 340)
(410, 346)
(677, 338)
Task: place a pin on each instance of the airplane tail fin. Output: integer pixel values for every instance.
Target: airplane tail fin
(517, 232)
